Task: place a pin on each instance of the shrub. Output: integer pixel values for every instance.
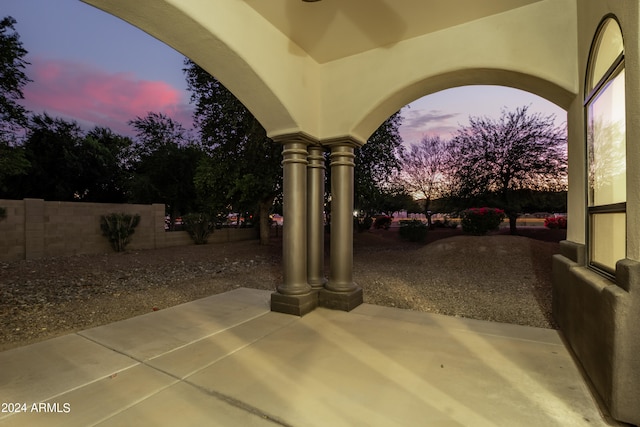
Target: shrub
(480, 221)
(118, 228)
(443, 224)
(383, 221)
(413, 230)
(450, 224)
(555, 222)
(362, 224)
(199, 226)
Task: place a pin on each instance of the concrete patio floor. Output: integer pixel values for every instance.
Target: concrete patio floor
(227, 360)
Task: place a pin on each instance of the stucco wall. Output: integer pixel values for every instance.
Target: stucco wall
(35, 228)
(598, 316)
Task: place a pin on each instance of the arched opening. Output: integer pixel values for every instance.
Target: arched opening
(421, 277)
(442, 112)
(536, 85)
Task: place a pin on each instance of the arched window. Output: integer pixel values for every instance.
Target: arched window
(606, 149)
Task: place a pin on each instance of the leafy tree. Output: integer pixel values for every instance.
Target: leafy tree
(13, 116)
(155, 131)
(163, 162)
(65, 164)
(105, 152)
(396, 198)
(375, 164)
(426, 171)
(495, 158)
(12, 163)
(242, 170)
(57, 171)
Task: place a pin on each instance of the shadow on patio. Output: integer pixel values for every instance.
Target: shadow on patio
(227, 360)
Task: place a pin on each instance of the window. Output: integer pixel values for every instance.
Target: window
(606, 149)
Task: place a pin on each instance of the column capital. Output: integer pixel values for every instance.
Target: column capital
(343, 141)
(342, 155)
(300, 137)
(316, 157)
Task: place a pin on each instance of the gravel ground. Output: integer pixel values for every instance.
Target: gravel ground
(497, 278)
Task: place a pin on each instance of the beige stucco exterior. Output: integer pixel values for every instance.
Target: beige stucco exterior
(289, 91)
(328, 73)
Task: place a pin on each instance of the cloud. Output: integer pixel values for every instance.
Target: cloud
(95, 97)
(419, 119)
(420, 123)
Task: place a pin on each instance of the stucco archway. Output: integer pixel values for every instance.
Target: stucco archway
(217, 42)
(430, 85)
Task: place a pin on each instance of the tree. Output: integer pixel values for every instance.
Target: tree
(163, 162)
(12, 80)
(426, 171)
(375, 163)
(242, 168)
(52, 148)
(12, 163)
(496, 158)
(155, 131)
(66, 165)
(107, 155)
(13, 116)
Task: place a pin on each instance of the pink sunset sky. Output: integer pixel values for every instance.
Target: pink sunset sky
(97, 70)
(94, 68)
(92, 96)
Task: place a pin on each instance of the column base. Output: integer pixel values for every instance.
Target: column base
(318, 285)
(345, 301)
(298, 305)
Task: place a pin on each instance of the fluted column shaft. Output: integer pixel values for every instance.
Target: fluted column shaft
(315, 217)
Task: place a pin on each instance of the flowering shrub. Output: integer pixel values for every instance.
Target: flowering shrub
(555, 222)
(479, 221)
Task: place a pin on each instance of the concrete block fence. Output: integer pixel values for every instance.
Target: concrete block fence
(35, 228)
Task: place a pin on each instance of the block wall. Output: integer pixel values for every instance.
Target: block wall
(35, 228)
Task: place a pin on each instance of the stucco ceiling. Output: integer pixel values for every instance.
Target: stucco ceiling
(332, 29)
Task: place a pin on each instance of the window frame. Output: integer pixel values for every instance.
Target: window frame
(594, 90)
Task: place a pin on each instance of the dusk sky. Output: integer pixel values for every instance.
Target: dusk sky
(91, 67)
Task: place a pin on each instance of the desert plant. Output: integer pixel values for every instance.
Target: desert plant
(479, 221)
(362, 223)
(382, 221)
(199, 226)
(413, 230)
(118, 228)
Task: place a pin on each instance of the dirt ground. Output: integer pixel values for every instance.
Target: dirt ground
(450, 274)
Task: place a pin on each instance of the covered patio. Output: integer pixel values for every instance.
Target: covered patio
(321, 76)
(229, 360)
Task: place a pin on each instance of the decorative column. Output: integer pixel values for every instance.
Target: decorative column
(294, 295)
(315, 217)
(340, 292)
